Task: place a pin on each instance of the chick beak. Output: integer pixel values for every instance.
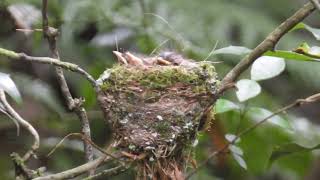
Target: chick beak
(120, 57)
(133, 60)
(163, 62)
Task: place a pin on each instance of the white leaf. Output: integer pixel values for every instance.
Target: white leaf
(267, 67)
(306, 133)
(315, 32)
(9, 87)
(314, 50)
(231, 137)
(240, 160)
(258, 114)
(236, 150)
(236, 50)
(247, 89)
(223, 105)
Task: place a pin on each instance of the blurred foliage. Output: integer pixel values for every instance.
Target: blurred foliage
(90, 30)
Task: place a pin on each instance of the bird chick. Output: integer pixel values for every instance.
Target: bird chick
(128, 58)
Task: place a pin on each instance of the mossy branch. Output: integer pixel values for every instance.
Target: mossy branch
(47, 60)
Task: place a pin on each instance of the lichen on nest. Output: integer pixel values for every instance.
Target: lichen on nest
(156, 109)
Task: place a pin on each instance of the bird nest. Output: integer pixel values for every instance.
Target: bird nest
(156, 105)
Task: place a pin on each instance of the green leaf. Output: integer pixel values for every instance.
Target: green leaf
(223, 105)
(305, 46)
(235, 50)
(289, 55)
(305, 49)
(9, 87)
(298, 26)
(296, 164)
(258, 114)
(290, 148)
(257, 151)
(267, 67)
(247, 89)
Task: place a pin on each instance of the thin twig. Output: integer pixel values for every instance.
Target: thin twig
(267, 44)
(51, 34)
(74, 172)
(24, 123)
(29, 30)
(86, 139)
(47, 60)
(298, 102)
(76, 105)
(16, 123)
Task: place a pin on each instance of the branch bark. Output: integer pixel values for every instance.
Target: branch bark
(76, 105)
(267, 44)
(47, 60)
(71, 173)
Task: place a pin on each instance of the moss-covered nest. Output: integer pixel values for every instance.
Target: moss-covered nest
(156, 110)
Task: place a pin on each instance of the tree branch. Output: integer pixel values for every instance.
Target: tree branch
(267, 44)
(316, 4)
(76, 105)
(74, 172)
(11, 112)
(48, 60)
(298, 102)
